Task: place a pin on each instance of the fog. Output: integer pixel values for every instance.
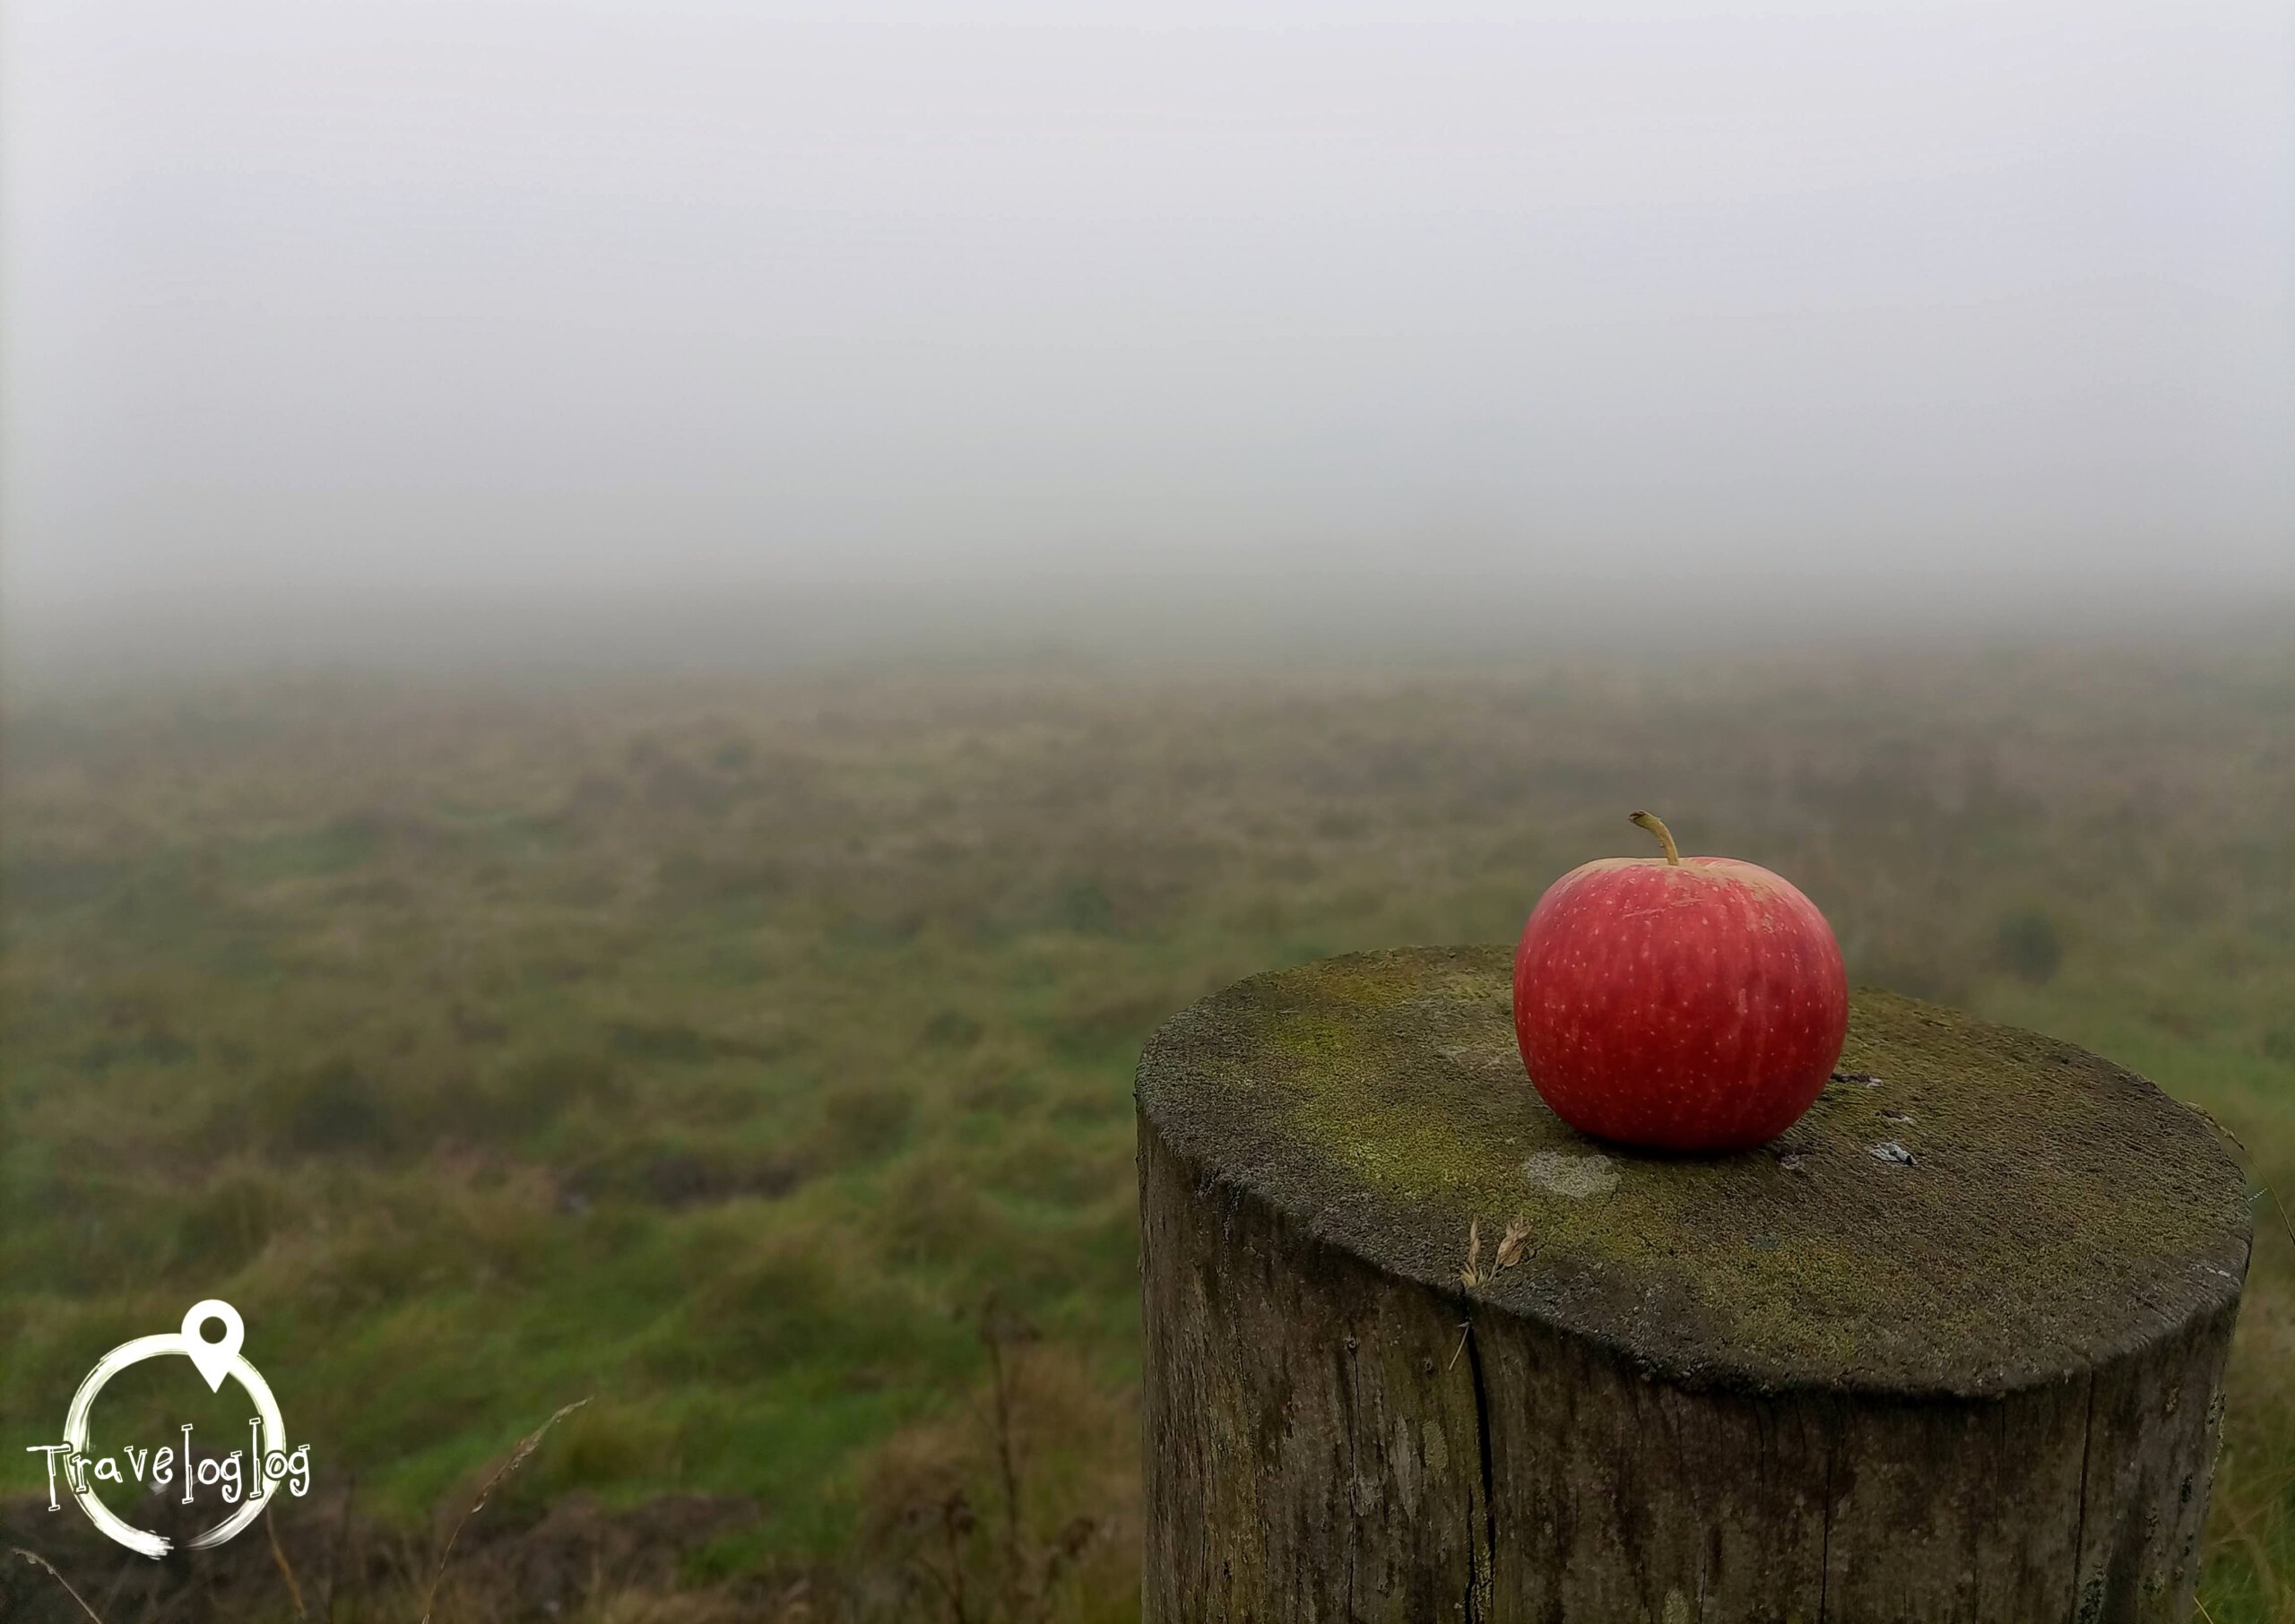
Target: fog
(480, 332)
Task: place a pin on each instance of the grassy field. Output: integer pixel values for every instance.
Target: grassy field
(751, 1060)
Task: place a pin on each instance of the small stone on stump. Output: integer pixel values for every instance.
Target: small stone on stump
(1949, 1349)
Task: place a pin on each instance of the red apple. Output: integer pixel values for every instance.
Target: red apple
(1681, 1003)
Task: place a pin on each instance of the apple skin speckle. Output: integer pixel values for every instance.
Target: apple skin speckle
(1691, 1007)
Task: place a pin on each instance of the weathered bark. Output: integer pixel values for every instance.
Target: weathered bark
(1807, 1383)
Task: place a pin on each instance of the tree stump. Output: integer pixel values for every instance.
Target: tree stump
(1950, 1349)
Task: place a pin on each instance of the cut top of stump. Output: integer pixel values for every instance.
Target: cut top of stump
(1966, 1209)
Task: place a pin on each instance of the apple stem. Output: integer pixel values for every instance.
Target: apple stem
(1657, 826)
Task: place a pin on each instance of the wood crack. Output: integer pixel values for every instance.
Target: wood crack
(2080, 1522)
(1354, 1468)
(1825, 1544)
(1481, 1576)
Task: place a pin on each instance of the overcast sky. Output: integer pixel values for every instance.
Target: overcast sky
(317, 312)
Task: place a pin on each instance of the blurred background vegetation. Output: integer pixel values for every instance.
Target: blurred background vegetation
(751, 1058)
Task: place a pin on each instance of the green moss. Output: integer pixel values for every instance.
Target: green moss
(2055, 1209)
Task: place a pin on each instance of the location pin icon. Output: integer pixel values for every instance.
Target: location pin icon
(213, 1358)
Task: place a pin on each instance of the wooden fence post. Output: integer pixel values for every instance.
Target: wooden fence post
(1951, 1348)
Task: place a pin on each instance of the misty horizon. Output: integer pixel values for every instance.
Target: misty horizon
(460, 335)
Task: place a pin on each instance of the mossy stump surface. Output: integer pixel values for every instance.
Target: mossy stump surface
(1950, 1349)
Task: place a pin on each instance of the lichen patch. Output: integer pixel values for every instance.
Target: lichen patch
(1574, 1177)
